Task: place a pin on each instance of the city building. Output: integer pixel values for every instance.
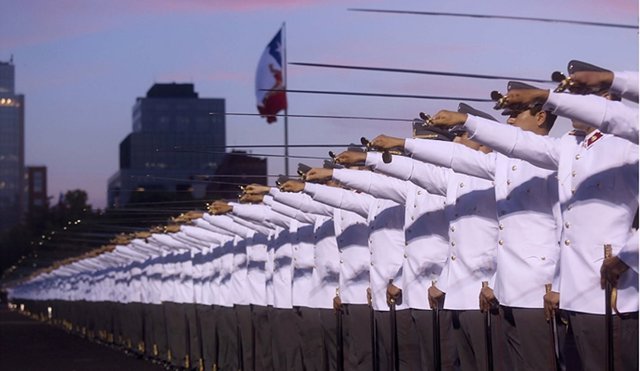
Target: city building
(177, 138)
(237, 168)
(11, 148)
(36, 186)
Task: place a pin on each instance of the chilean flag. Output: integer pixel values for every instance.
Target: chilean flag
(270, 85)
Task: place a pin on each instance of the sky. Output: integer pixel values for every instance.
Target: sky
(82, 63)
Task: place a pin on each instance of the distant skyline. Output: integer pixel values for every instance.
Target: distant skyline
(81, 65)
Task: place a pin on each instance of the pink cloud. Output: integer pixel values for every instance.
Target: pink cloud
(42, 21)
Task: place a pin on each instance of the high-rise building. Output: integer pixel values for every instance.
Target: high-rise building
(177, 137)
(11, 148)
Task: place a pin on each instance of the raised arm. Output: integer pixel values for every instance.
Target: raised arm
(541, 151)
(377, 185)
(608, 116)
(459, 158)
(358, 203)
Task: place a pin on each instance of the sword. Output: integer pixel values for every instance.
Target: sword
(374, 333)
(339, 340)
(487, 333)
(395, 353)
(608, 290)
(554, 335)
(437, 362)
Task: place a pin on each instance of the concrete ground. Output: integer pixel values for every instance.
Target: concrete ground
(29, 345)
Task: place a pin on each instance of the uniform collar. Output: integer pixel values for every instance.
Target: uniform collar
(592, 138)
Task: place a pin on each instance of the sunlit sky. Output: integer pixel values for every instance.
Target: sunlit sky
(82, 63)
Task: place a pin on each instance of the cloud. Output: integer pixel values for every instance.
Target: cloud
(34, 22)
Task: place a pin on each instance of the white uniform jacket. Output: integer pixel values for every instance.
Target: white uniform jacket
(473, 228)
(528, 217)
(598, 193)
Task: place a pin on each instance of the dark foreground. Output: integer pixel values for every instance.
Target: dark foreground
(29, 345)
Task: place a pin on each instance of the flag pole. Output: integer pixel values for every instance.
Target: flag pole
(286, 110)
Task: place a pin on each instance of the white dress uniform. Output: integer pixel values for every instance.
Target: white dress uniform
(425, 227)
(352, 233)
(625, 84)
(608, 116)
(598, 191)
(527, 206)
(386, 237)
(473, 227)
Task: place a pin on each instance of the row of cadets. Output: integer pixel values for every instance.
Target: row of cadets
(466, 208)
(527, 212)
(349, 259)
(597, 181)
(385, 219)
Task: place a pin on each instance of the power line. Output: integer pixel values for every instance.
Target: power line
(487, 16)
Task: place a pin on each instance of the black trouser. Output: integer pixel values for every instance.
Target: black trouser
(227, 338)
(590, 338)
(470, 340)
(286, 345)
(260, 316)
(245, 332)
(423, 322)
(356, 335)
(529, 343)
(176, 325)
(207, 316)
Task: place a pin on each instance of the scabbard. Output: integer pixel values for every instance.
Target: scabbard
(437, 360)
(395, 352)
(374, 340)
(339, 340)
(608, 315)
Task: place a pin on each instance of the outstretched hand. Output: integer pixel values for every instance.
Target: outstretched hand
(220, 208)
(518, 98)
(385, 142)
(292, 185)
(448, 118)
(351, 158)
(319, 175)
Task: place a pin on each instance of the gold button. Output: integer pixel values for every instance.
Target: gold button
(341, 261)
(461, 185)
(567, 225)
(501, 242)
(501, 226)
(414, 205)
(419, 192)
(573, 173)
(372, 264)
(543, 258)
(453, 243)
(405, 256)
(406, 243)
(371, 252)
(453, 229)
(453, 257)
(413, 218)
(514, 167)
(508, 182)
(567, 242)
(573, 191)
(578, 156)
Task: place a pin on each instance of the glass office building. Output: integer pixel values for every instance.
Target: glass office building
(177, 138)
(11, 148)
